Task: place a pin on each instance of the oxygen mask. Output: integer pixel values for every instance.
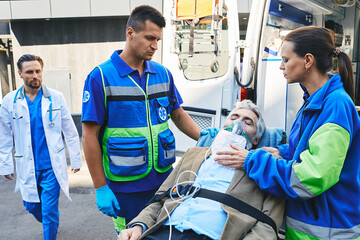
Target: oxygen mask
(237, 127)
(230, 135)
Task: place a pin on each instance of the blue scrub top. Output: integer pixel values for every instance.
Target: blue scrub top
(38, 140)
(93, 110)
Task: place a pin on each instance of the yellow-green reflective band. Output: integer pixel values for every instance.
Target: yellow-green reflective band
(135, 132)
(147, 79)
(322, 162)
(103, 83)
(296, 229)
(296, 235)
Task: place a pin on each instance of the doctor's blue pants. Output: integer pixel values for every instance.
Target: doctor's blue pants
(46, 211)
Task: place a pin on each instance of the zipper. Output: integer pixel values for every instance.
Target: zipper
(130, 149)
(147, 114)
(149, 120)
(315, 208)
(302, 118)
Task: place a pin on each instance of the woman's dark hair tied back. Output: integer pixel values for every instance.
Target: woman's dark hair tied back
(319, 42)
(336, 52)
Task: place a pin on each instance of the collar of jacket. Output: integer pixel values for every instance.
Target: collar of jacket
(124, 69)
(44, 89)
(331, 85)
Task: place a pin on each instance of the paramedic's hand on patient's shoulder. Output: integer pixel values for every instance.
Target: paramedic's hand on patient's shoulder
(131, 234)
(274, 151)
(107, 202)
(232, 159)
(213, 132)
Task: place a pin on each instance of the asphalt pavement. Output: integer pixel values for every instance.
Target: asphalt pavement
(79, 219)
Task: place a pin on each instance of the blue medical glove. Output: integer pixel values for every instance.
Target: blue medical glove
(213, 132)
(107, 202)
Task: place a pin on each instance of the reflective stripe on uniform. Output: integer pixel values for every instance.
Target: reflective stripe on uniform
(300, 230)
(123, 91)
(153, 89)
(322, 162)
(127, 161)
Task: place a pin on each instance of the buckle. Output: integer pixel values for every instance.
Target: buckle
(183, 190)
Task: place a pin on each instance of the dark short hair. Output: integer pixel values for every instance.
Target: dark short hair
(29, 58)
(142, 13)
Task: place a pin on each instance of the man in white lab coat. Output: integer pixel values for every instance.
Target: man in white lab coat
(32, 120)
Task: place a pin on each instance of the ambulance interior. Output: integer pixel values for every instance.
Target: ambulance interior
(219, 55)
(201, 38)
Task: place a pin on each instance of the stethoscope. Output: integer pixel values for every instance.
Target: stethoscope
(51, 122)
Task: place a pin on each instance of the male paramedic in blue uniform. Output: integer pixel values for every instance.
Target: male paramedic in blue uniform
(33, 118)
(127, 103)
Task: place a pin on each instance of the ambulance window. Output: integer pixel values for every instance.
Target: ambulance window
(243, 22)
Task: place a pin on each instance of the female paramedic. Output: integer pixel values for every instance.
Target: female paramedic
(318, 172)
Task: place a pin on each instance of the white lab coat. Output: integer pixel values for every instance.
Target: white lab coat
(15, 128)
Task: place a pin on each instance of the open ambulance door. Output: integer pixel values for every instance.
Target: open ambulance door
(201, 49)
(278, 101)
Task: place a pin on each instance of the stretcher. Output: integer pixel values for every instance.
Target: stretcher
(198, 29)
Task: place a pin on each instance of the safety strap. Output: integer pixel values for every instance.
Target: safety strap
(193, 23)
(223, 198)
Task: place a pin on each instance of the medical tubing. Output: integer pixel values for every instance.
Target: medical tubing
(186, 196)
(182, 198)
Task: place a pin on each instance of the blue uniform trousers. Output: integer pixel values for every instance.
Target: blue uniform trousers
(131, 205)
(46, 211)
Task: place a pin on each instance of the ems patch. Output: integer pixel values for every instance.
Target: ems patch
(162, 113)
(86, 96)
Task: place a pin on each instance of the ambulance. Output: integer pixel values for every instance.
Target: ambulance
(218, 55)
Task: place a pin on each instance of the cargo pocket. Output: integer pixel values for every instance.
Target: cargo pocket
(166, 149)
(127, 156)
(163, 108)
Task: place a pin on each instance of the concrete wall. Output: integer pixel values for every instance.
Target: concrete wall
(36, 9)
(77, 44)
(80, 58)
(4, 77)
(67, 34)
